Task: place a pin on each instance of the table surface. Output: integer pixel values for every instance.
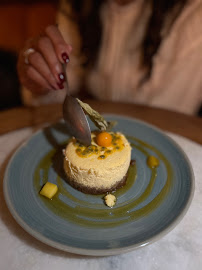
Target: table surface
(179, 249)
(181, 124)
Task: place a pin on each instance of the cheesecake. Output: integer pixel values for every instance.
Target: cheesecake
(99, 168)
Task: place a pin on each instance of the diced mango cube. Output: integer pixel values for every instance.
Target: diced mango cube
(49, 190)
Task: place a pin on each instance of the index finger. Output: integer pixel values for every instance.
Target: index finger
(61, 47)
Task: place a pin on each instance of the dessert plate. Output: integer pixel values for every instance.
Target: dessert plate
(151, 203)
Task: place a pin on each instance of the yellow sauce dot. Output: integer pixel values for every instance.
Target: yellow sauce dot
(152, 161)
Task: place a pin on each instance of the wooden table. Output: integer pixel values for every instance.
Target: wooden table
(181, 124)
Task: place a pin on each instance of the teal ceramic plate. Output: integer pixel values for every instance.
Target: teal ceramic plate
(150, 205)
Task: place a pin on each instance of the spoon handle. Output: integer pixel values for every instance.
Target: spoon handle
(64, 67)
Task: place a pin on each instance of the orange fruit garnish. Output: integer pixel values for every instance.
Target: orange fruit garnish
(104, 139)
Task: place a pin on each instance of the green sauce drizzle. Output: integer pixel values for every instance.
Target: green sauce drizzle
(89, 214)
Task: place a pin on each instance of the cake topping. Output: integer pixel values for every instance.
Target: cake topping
(100, 148)
(104, 139)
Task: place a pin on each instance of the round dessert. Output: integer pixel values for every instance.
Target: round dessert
(98, 169)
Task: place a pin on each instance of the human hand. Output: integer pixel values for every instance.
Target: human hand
(40, 68)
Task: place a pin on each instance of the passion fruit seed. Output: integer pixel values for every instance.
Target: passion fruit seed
(102, 157)
(103, 139)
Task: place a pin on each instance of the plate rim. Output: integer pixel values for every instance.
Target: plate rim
(99, 252)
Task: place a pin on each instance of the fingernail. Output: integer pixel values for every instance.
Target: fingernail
(61, 77)
(60, 85)
(65, 57)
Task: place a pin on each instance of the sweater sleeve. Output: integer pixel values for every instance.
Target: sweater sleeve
(189, 30)
(177, 76)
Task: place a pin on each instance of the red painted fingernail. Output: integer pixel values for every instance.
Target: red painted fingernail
(60, 85)
(61, 77)
(65, 57)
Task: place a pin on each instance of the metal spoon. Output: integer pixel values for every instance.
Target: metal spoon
(75, 117)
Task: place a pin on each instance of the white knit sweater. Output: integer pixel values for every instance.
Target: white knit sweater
(176, 79)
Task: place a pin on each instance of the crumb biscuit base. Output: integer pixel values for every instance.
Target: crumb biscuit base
(94, 191)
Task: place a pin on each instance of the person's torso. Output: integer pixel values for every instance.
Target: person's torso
(175, 80)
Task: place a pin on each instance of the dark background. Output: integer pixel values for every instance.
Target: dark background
(19, 20)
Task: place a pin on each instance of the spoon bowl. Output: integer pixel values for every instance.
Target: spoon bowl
(74, 116)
